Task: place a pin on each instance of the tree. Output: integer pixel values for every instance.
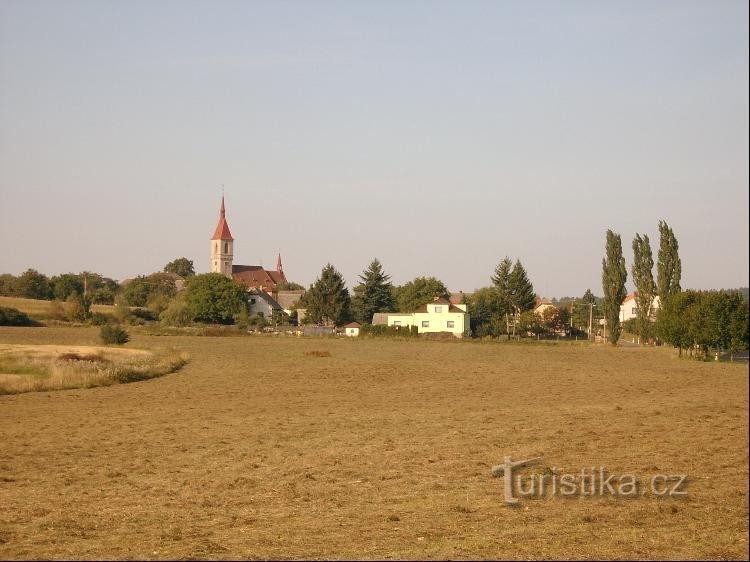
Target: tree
(33, 285)
(555, 319)
(501, 282)
(373, 294)
(522, 296)
(643, 278)
(65, 285)
(178, 313)
(614, 276)
(419, 291)
(8, 285)
(289, 286)
(214, 298)
(530, 322)
(180, 266)
(78, 307)
(135, 292)
(327, 300)
(486, 312)
(582, 310)
(668, 266)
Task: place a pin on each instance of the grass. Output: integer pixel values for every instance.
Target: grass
(257, 449)
(43, 310)
(29, 368)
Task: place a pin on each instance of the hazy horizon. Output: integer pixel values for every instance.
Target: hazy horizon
(436, 136)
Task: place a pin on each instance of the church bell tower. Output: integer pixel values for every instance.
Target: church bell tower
(222, 251)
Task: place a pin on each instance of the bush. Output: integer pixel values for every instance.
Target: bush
(101, 318)
(14, 317)
(113, 334)
(389, 331)
(177, 314)
(77, 307)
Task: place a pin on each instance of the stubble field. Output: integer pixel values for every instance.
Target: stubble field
(258, 449)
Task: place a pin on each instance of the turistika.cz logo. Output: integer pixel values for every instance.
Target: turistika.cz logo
(593, 481)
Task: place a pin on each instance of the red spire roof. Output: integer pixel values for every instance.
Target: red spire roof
(279, 268)
(222, 228)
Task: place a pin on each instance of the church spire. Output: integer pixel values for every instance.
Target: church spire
(279, 268)
(222, 231)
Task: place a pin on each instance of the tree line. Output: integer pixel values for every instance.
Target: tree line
(689, 320)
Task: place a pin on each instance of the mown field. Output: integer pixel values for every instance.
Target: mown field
(256, 449)
(42, 310)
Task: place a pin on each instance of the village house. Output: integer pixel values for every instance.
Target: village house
(541, 305)
(434, 317)
(260, 303)
(629, 307)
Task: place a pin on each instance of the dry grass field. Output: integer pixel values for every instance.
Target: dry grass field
(41, 309)
(260, 448)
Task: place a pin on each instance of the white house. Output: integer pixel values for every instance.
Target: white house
(352, 329)
(435, 317)
(629, 307)
(261, 303)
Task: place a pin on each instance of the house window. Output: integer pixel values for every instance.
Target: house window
(438, 309)
(451, 323)
(425, 323)
(634, 311)
(252, 301)
(397, 322)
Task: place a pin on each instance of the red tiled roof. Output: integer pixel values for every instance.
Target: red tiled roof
(353, 325)
(257, 277)
(222, 230)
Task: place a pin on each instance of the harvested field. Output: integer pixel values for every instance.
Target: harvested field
(276, 447)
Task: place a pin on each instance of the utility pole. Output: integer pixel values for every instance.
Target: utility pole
(591, 317)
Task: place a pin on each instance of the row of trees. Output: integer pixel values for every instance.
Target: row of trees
(614, 277)
(34, 285)
(703, 320)
(494, 310)
(328, 301)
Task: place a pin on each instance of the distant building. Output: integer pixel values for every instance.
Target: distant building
(261, 303)
(541, 305)
(434, 317)
(289, 299)
(352, 329)
(629, 307)
(222, 258)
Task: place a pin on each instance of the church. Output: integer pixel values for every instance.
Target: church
(254, 277)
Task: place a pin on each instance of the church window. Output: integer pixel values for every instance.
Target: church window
(226, 247)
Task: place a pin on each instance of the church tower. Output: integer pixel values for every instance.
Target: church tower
(222, 251)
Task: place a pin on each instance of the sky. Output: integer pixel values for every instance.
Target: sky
(437, 136)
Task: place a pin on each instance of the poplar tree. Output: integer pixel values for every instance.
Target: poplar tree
(373, 294)
(643, 278)
(614, 276)
(668, 266)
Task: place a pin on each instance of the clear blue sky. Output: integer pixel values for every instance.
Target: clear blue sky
(437, 136)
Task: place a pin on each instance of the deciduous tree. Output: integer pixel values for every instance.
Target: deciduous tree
(643, 279)
(669, 266)
(614, 276)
